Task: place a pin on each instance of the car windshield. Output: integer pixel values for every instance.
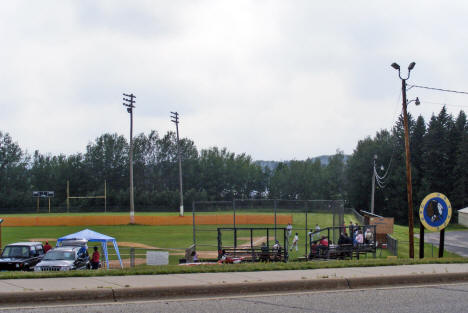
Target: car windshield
(59, 255)
(15, 252)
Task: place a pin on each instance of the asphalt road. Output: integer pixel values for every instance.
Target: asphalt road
(455, 241)
(427, 299)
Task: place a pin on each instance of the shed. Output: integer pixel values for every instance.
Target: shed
(463, 217)
(93, 236)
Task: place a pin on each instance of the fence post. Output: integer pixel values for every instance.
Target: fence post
(274, 206)
(234, 211)
(193, 224)
(132, 257)
(306, 241)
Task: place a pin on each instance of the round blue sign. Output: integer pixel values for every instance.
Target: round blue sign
(435, 211)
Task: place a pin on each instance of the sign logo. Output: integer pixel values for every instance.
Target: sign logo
(435, 211)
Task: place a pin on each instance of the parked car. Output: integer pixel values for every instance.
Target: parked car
(21, 256)
(64, 259)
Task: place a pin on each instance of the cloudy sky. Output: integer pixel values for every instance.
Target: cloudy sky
(277, 80)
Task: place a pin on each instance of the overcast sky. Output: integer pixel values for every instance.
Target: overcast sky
(277, 80)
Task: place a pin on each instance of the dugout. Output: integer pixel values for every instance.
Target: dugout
(253, 244)
(208, 216)
(345, 247)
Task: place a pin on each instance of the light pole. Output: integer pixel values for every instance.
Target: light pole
(408, 156)
(129, 101)
(175, 119)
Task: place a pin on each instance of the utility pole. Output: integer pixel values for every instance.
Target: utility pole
(373, 185)
(129, 103)
(175, 119)
(408, 156)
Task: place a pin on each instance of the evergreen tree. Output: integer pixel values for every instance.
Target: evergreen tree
(437, 153)
(459, 196)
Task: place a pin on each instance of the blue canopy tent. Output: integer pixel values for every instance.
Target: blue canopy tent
(93, 236)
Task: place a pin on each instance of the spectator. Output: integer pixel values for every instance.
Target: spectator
(324, 241)
(351, 228)
(47, 247)
(317, 230)
(194, 256)
(359, 238)
(314, 250)
(343, 239)
(368, 236)
(323, 246)
(95, 259)
(265, 253)
(276, 246)
(277, 249)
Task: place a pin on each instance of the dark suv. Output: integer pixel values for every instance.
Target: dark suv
(21, 256)
(64, 259)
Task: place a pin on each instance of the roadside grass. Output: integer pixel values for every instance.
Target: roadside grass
(401, 233)
(219, 268)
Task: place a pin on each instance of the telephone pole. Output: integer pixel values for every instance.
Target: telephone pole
(129, 103)
(409, 187)
(175, 120)
(373, 185)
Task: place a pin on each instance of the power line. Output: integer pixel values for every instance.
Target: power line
(446, 104)
(439, 89)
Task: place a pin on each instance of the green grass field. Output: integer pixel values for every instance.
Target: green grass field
(180, 237)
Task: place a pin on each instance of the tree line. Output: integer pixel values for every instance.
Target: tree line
(439, 154)
(439, 163)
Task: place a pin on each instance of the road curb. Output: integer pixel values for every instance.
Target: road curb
(405, 280)
(30, 297)
(168, 292)
(229, 289)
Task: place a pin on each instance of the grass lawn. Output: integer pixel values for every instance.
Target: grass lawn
(180, 237)
(401, 233)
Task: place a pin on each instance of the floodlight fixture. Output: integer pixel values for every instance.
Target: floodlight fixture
(395, 66)
(411, 66)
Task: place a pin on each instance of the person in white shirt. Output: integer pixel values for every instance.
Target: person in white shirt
(288, 231)
(294, 243)
(317, 231)
(359, 237)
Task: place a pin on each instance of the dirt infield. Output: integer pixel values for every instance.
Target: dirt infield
(257, 241)
(136, 245)
(42, 239)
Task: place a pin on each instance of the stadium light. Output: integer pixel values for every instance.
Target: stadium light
(129, 103)
(175, 120)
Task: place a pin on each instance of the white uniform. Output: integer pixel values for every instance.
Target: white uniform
(288, 231)
(294, 243)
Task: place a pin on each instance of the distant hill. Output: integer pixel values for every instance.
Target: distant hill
(324, 159)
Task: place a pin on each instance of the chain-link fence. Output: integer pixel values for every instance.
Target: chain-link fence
(302, 215)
